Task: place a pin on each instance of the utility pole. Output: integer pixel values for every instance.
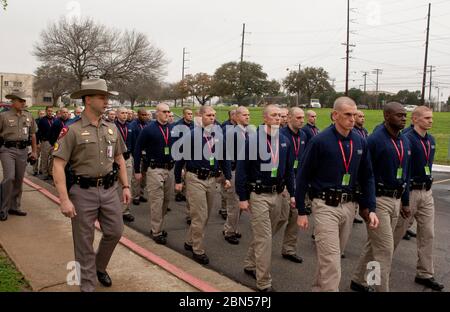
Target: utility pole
(243, 43)
(426, 57)
(1, 88)
(348, 48)
(183, 69)
(365, 80)
(431, 83)
(377, 71)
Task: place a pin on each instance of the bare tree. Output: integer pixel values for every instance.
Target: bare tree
(140, 88)
(54, 79)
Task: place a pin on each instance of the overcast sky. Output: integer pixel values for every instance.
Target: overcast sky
(389, 35)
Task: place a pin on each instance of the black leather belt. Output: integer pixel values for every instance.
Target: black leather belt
(396, 193)
(17, 144)
(167, 166)
(421, 186)
(335, 197)
(204, 174)
(106, 181)
(268, 189)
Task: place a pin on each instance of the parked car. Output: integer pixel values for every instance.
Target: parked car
(362, 106)
(410, 108)
(315, 103)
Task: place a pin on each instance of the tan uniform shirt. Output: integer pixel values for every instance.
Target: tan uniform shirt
(89, 150)
(14, 127)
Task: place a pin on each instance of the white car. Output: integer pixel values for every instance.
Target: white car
(410, 108)
(315, 103)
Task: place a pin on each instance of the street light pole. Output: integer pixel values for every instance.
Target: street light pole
(1, 88)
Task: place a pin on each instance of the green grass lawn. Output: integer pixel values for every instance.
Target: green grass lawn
(10, 279)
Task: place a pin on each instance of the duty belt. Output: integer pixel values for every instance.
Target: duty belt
(204, 173)
(17, 144)
(106, 181)
(393, 193)
(270, 189)
(167, 166)
(335, 197)
(421, 186)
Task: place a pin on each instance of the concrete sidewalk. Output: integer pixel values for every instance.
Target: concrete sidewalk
(41, 247)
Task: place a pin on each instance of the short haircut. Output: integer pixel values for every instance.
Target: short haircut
(186, 109)
(341, 101)
(419, 110)
(205, 108)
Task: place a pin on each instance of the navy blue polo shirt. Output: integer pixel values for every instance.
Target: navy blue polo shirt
(156, 145)
(135, 128)
(385, 160)
(406, 130)
(378, 127)
(298, 141)
(422, 154)
(323, 168)
(235, 138)
(202, 147)
(55, 130)
(310, 131)
(183, 122)
(124, 130)
(250, 169)
(361, 131)
(44, 128)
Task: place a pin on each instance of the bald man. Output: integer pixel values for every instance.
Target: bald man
(310, 128)
(423, 147)
(284, 117)
(335, 163)
(390, 152)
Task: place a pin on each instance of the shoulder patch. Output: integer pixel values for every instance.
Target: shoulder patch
(63, 132)
(56, 147)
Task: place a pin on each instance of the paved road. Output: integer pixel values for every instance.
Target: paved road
(287, 276)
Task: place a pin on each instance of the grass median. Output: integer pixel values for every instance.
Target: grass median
(11, 280)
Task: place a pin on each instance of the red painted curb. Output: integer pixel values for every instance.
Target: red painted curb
(141, 251)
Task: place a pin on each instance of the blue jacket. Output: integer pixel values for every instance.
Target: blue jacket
(44, 128)
(55, 130)
(125, 131)
(362, 132)
(310, 131)
(152, 140)
(298, 141)
(385, 161)
(323, 168)
(135, 129)
(257, 169)
(420, 148)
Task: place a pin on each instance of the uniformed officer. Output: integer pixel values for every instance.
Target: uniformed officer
(156, 140)
(288, 216)
(423, 148)
(390, 153)
(260, 180)
(44, 134)
(124, 129)
(234, 150)
(202, 150)
(360, 119)
(186, 121)
(310, 128)
(17, 132)
(91, 146)
(335, 161)
(138, 187)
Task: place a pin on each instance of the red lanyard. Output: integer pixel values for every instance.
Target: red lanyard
(296, 146)
(361, 131)
(124, 134)
(346, 164)
(427, 154)
(50, 121)
(314, 130)
(400, 155)
(165, 136)
(274, 157)
(142, 127)
(210, 146)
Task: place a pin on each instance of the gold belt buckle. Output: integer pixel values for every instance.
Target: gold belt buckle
(99, 182)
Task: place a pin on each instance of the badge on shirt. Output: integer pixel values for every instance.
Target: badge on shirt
(25, 130)
(296, 164)
(110, 131)
(85, 133)
(212, 161)
(399, 173)
(346, 179)
(427, 170)
(166, 150)
(109, 151)
(56, 147)
(274, 173)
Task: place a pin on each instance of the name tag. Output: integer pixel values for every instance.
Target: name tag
(212, 161)
(166, 150)
(296, 164)
(109, 151)
(25, 130)
(427, 170)
(346, 179)
(274, 173)
(399, 173)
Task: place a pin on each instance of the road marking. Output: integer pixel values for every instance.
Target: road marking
(442, 181)
(146, 254)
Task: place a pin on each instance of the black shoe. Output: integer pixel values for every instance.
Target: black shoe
(232, 239)
(128, 217)
(136, 201)
(313, 237)
(407, 237)
(3, 217)
(223, 213)
(188, 221)
(142, 199)
(35, 173)
(188, 247)
(250, 272)
(411, 233)
(343, 256)
(160, 239)
(104, 279)
(180, 197)
(357, 221)
(268, 289)
(430, 283)
(293, 258)
(19, 213)
(360, 288)
(163, 233)
(168, 209)
(238, 235)
(202, 259)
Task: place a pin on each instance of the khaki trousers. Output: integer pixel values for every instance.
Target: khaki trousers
(138, 188)
(14, 163)
(200, 195)
(46, 149)
(421, 203)
(288, 217)
(380, 243)
(330, 228)
(92, 204)
(159, 184)
(232, 204)
(265, 213)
